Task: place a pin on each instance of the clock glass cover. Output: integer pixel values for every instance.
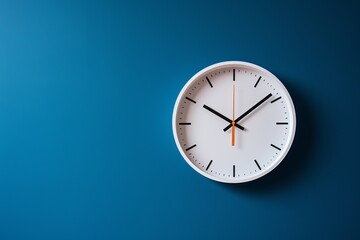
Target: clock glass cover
(234, 122)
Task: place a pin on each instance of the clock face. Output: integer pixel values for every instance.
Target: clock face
(234, 122)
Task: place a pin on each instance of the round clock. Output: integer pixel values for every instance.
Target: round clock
(234, 122)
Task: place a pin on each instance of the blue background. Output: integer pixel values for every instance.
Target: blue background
(87, 90)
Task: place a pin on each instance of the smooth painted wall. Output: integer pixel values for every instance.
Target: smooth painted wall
(87, 90)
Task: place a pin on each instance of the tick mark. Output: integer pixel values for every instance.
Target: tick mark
(185, 123)
(233, 74)
(190, 147)
(281, 123)
(275, 100)
(190, 100)
(208, 80)
(233, 170)
(257, 164)
(209, 165)
(275, 147)
(257, 82)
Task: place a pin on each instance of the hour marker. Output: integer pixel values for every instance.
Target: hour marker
(208, 80)
(275, 147)
(209, 165)
(233, 74)
(257, 82)
(190, 147)
(281, 123)
(233, 170)
(257, 164)
(275, 100)
(190, 99)
(185, 123)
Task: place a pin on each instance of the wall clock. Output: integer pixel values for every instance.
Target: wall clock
(234, 122)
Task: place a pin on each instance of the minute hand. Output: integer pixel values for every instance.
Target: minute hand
(250, 110)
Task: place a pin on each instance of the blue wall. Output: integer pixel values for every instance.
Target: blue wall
(87, 90)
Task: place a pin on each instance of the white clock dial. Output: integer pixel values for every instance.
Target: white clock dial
(234, 122)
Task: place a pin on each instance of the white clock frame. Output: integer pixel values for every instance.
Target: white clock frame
(234, 64)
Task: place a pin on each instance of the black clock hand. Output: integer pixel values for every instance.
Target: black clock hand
(249, 111)
(223, 117)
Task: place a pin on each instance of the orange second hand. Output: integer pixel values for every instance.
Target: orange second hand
(233, 133)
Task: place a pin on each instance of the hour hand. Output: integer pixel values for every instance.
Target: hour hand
(222, 116)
